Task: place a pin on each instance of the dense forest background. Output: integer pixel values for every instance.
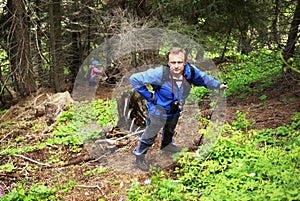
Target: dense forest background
(44, 43)
(51, 149)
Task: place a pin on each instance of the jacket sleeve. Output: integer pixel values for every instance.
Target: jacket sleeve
(203, 79)
(97, 70)
(140, 81)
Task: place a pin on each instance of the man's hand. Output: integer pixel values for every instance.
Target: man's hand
(223, 86)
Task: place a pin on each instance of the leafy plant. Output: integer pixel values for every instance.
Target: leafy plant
(106, 112)
(8, 167)
(37, 192)
(3, 111)
(198, 93)
(263, 97)
(98, 170)
(242, 123)
(161, 189)
(296, 121)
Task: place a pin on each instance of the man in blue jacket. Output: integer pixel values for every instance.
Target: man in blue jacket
(171, 86)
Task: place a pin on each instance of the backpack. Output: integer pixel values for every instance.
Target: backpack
(88, 75)
(165, 77)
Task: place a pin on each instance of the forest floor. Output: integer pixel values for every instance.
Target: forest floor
(76, 168)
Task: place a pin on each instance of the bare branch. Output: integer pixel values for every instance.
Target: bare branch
(34, 161)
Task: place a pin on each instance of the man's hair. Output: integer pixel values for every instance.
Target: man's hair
(176, 50)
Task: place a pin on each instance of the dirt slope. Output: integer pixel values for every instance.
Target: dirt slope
(281, 102)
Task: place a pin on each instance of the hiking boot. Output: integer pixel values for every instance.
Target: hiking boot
(171, 148)
(141, 163)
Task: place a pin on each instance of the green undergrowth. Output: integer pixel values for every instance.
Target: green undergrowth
(245, 75)
(37, 192)
(251, 74)
(244, 165)
(84, 122)
(78, 124)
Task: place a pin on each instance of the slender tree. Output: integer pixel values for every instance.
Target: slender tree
(19, 49)
(76, 51)
(293, 37)
(56, 52)
(37, 34)
(274, 25)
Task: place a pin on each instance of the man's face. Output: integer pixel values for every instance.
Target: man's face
(176, 63)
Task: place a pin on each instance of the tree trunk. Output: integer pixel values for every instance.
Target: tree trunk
(244, 43)
(19, 49)
(57, 58)
(289, 49)
(225, 45)
(274, 26)
(42, 78)
(76, 49)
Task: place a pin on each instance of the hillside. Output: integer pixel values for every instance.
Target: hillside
(78, 176)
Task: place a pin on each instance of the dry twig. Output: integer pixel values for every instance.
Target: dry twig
(103, 156)
(121, 138)
(34, 161)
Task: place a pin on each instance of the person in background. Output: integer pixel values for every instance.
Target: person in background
(166, 100)
(92, 73)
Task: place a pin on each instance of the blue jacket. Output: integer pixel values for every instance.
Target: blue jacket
(160, 104)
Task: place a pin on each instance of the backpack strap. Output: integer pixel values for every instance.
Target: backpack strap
(190, 81)
(166, 74)
(165, 77)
